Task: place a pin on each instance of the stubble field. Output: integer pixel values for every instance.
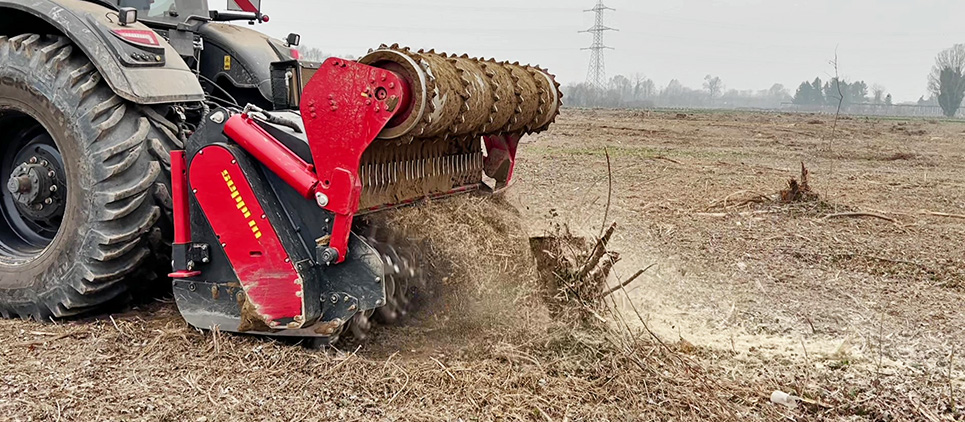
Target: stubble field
(852, 300)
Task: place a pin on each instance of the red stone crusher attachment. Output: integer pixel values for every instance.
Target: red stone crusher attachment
(266, 235)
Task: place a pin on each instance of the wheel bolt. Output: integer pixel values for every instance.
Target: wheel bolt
(53, 188)
(51, 174)
(48, 201)
(44, 163)
(33, 160)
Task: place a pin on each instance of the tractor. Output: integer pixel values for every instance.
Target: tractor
(147, 142)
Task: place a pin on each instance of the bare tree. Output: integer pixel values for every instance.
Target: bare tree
(947, 79)
(312, 54)
(878, 91)
(714, 86)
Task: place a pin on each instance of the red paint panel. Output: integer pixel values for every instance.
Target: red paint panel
(344, 107)
(248, 238)
(179, 194)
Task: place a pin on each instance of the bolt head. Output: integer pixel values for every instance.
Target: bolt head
(48, 201)
(33, 160)
(53, 188)
(321, 199)
(218, 117)
(13, 185)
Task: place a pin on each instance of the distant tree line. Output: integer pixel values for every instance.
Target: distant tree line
(638, 91)
(833, 92)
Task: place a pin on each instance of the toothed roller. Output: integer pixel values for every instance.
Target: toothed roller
(433, 145)
(456, 96)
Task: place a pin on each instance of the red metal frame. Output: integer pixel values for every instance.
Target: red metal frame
(277, 157)
(344, 107)
(182, 214)
(501, 151)
(179, 195)
(250, 242)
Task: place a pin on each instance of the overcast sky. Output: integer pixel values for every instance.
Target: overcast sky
(749, 44)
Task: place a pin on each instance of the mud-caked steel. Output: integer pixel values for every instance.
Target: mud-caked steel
(344, 107)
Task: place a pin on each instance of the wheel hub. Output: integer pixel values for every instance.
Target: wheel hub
(36, 189)
(35, 184)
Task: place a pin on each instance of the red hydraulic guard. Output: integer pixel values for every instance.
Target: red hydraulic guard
(182, 213)
(277, 157)
(267, 274)
(179, 194)
(344, 107)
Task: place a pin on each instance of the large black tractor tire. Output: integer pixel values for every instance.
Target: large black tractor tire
(80, 225)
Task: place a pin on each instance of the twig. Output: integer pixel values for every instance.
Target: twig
(924, 412)
(50, 340)
(444, 368)
(404, 385)
(609, 192)
(860, 214)
(598, 251)
(951, 387)
(942, 214)
(712, 214)
(116, 327)
(627, 283)
(661, 157)
(837, 113)
(338, 365)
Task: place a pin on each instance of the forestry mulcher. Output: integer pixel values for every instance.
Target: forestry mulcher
(141, 134)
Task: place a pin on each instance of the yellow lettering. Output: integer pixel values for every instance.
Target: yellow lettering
(236, 195)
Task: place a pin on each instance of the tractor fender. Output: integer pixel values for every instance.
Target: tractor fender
(88, 25)
(241, 56)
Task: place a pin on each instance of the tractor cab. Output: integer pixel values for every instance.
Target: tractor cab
(167, 11)
(174, 12)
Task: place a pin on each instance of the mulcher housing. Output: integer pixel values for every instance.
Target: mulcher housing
(265, 194)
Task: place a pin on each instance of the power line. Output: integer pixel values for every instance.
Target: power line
(596, 74)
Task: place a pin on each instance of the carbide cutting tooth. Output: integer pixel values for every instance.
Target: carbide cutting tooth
(395, 46)
(465, 56)
(383, 46)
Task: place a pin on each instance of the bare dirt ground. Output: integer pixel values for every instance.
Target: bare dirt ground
(852, 301)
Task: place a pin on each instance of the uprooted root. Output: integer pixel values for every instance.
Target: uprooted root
(573, 272)
(799, 191)
(796, 192)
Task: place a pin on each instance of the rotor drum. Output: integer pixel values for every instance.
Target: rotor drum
(458, 96)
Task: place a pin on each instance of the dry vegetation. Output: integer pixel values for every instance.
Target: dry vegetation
(850, 298)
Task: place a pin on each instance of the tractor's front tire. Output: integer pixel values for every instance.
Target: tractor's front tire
(81, 183)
